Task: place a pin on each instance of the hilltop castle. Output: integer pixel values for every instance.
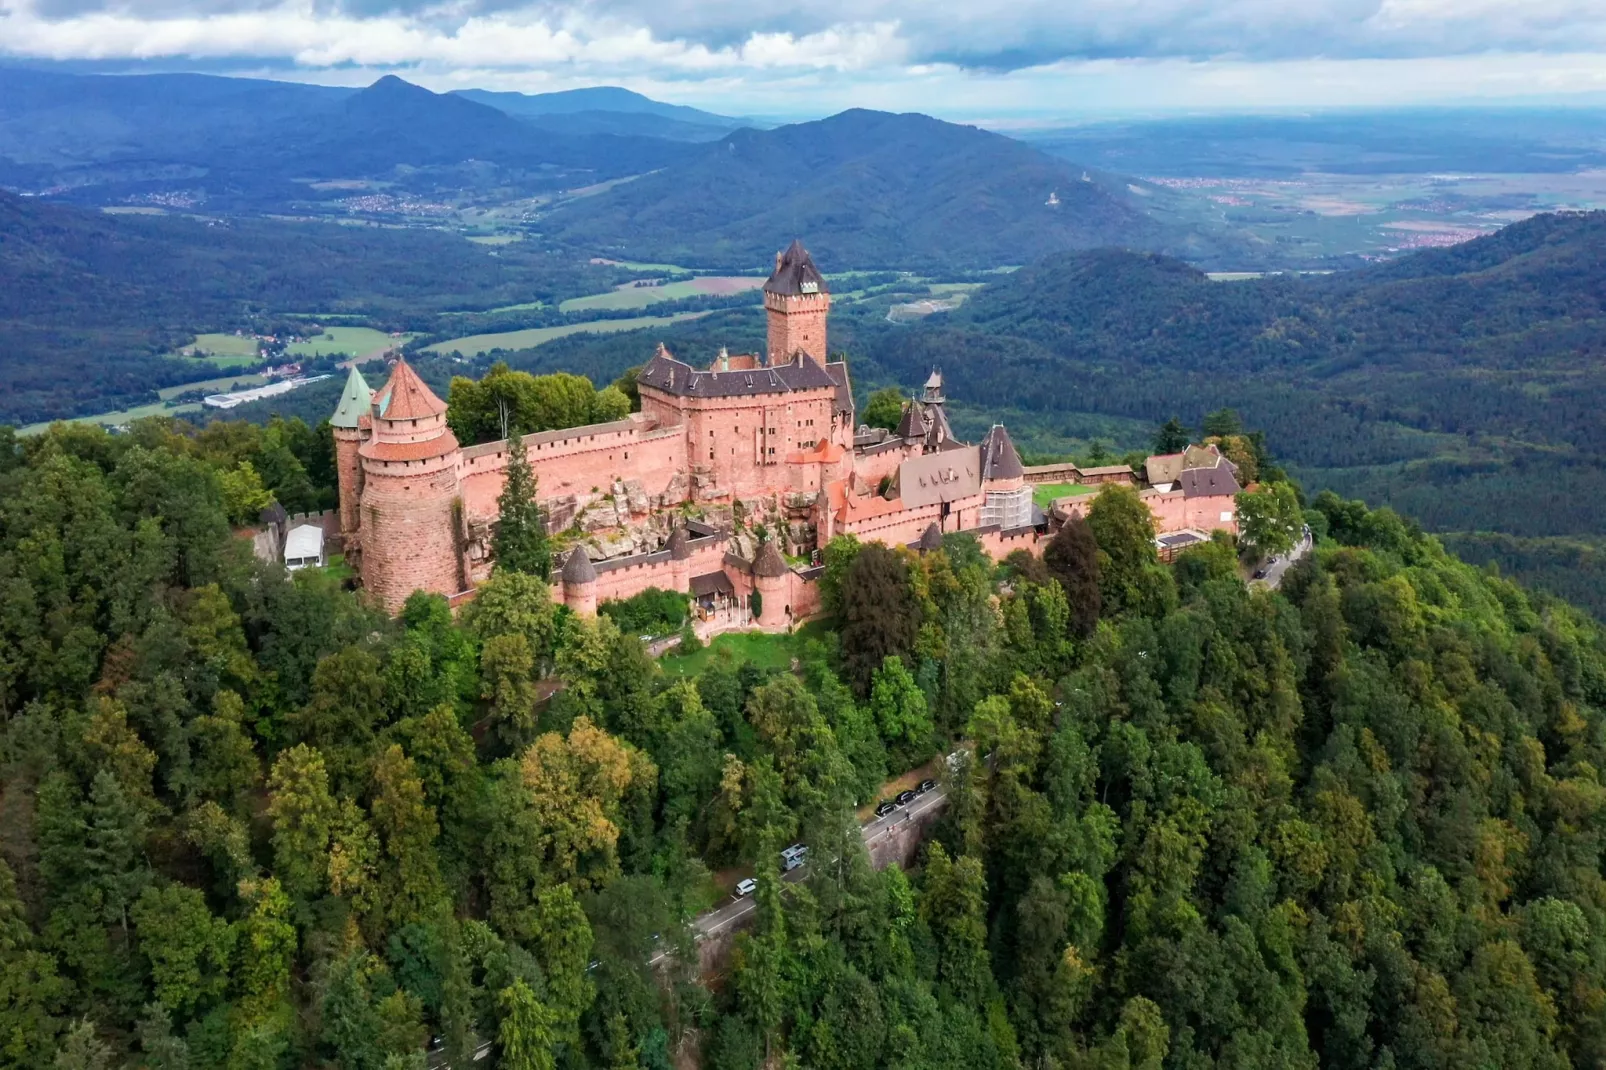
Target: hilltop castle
(674, 496)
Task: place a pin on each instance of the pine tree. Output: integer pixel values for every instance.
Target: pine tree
(520, 542)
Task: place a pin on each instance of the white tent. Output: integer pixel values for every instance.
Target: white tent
(303, 547)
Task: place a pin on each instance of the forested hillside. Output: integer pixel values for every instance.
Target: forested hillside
(869, 190)
(248, 822)
(91, 302)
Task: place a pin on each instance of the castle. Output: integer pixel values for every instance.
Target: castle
(676, 495)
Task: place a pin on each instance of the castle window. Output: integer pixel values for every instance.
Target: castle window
(710, 455)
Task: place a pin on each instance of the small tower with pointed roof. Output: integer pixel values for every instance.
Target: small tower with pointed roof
(351, 417)
(410, 517)
(770, 572)
(579, 577)
(796, 303)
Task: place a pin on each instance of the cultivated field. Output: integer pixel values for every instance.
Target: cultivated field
(357, 341)
(485, 343)
(629, 295)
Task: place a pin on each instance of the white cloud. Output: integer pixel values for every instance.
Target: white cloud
(961, 58)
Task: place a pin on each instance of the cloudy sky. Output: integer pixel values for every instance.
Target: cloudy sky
(1016, 59)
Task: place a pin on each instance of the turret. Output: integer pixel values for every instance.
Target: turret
(411, 523)
(356, 401)
(796, 303)
(769, 579)
(579, 583)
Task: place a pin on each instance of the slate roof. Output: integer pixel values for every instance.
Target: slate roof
(795, 273)
(931, 538)
(998, 457)
(838, 371)
(1205, 482)
(769, 561)
(676, 377)
(356, 401)
(939, 477)
(677, 544)
(711, 583)
(407, 398)
(577, 567)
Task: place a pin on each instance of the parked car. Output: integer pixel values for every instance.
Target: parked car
(885, 807)
(926, 785)
(905, 798)
(794, 856)
(1260, 573)
(746, 887)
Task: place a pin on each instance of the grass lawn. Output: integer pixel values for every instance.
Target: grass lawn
(526, 307)
(763, 649)
(1045, 493)
(338, 568)
(641, 296)
(496, 239)
(534, 336)
(353, 340)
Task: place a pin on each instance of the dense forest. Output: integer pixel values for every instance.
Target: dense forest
(247, 821)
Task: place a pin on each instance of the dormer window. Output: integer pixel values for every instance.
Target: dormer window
(810, 287)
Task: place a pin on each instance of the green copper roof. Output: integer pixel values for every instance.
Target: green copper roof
(355, 401)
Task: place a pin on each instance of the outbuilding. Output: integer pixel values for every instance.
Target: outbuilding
(303, 547)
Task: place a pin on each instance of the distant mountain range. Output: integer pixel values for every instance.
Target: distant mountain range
(244, 144)
(872, 189)
(609, 110)
(868, 189)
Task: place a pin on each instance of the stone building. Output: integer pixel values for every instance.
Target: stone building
(676, 495)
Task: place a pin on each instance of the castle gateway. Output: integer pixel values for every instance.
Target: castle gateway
(725, 474)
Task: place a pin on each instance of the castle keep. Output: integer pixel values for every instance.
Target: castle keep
(674, 496)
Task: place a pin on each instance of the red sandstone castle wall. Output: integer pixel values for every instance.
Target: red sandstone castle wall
(744, 441)
(796, 323)
(1172, 511)
(668, 575)
(576, 461)
(409, 535)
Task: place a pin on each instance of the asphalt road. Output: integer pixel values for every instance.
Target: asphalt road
(727, 914)
(1274, 574)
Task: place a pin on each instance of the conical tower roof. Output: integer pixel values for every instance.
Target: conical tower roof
(355, 401)
(998, 457)
(795, 273)
(407, 398)
(931, 539)
(577, 567)
(769, 562)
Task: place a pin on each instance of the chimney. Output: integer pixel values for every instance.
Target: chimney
(778, 259)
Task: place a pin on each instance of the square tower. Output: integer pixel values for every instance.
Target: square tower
(796, 303)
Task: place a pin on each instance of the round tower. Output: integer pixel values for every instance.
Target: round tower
(680, 558)
(348, 423)
(580, 583)
(797, 302)
(410, 510)
(769, 579)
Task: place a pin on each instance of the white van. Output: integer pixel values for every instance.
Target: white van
(793, 857)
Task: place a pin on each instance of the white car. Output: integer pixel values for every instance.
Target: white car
(793, 857)
(746, 887)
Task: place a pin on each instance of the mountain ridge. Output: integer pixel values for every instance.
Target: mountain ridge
(872, 189)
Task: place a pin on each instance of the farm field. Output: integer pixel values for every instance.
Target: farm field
(356, 341)
(534, 336)
(158, 408)
(222, 350)
(629, 295)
